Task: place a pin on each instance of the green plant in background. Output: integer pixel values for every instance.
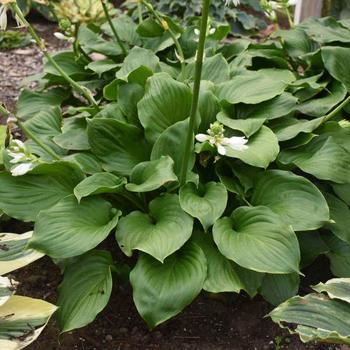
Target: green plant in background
(220, 165)
(13, 39)
(247, 18)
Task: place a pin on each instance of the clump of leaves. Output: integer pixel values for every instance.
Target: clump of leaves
(13, 39)
(248, 17)
(261, 194)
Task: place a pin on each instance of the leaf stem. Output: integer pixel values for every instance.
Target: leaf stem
(114, 31)
(164, 24)
(81, 89)
(333, 113)
(34, 138)
(196, 88)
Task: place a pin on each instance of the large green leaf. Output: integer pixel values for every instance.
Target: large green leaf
(262, 149)
(257, 239)
(118, 145)
(297, 200)
(215, 69)
(316, 317)
(30, 103)
(322, 157)
(222, 275)
(70, 64)
(340, 214)
(278, 107)
(161, 291)
(14, 253)
(93, 42)
(85, 290)
(318, 107)
(149, 176)
(326, 30)
(23, 197)
(288, 128)
(99, 183)
(125, 27)
(172, 142)
(70, 228)
(165, 102)
(74, 135)
(206, 204)
(22, 321)
(336, 62)
(161, 233)
(253, 87)
(278, 288)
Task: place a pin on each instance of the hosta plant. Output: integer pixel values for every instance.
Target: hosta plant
(218, 166)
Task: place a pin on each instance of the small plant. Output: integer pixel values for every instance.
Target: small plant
(220, 166)
(13, 40)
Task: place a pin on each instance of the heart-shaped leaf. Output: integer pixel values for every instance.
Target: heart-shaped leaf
(160, 233)
(257, 239)
(85, 290)
(99, 183)
(297, 200)
(70, 228)
(149, 176)
(161, 291)
(206, 204)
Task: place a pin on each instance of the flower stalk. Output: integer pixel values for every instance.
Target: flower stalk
(338, 109)
(85, 92)
(114, 31)
(196, 89)
(164, 24)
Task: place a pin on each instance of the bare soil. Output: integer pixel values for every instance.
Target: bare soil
(224, 322)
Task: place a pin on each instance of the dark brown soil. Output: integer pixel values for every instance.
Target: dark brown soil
(221, 322)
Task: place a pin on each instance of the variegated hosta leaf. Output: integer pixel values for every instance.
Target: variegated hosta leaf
(317, 318)
(336, 288)
(7, 289)
(22, 320)
(13, 252)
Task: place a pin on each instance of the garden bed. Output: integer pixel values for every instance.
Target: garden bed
(212, 321)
